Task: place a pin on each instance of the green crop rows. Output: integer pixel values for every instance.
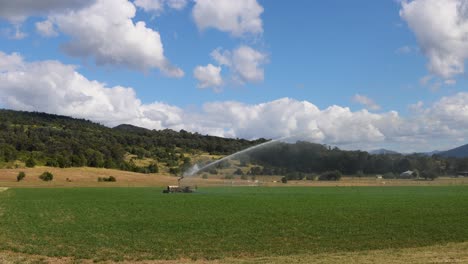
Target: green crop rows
(143, 223)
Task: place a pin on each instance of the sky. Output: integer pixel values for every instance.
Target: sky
(361, 74)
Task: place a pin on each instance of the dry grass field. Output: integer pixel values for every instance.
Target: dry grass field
(450, 253)
(82, 177)
(87, 177)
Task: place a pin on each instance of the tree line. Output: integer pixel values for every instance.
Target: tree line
(301, 158)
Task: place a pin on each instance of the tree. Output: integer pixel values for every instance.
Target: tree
(174, 170)
(153, 168)
(403, 165)
(239, 172)
(429, 175)
(46, 176)
(330, 176)
(20, 176)
(30, 163)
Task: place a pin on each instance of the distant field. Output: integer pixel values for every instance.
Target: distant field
(143, 223)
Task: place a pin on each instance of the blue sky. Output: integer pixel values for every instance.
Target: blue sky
(368, 56)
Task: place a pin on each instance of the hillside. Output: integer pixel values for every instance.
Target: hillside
(383, 152)
(460, 152)
(31, 138)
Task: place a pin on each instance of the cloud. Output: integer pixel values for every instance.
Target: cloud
(244, 63)
(46, 28)
(208, 76)
(157, 6)
(105, 31)
(54, 87)
(17, 11)
(441, 28)
(405, 50)
(177, 4)
(237, 17)
(14, 32)
(453, 110)
(365, 101)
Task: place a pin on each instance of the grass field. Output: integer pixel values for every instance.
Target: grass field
(143, 223)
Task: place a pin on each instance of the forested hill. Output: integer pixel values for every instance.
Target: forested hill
(460, 152)
(53, 140)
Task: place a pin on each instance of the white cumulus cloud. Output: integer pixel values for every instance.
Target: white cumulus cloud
(157, 6)
(366, 101)
(106, 32)
(237, 17)
(208, 76)
(46, 28)
(245, 63)
(441, 28)
(53, 87)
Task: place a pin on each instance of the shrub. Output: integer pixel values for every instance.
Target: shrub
(229, 177)
(330, 176)
(295, 176)
(20, 176)
(204, 176)
(30, 163)
(311, 177)
(108, 179)
(153, 168)
(243, 177)
(174, 170)
(52, 163)
(46, 176)
(389, 175)
(284, 180)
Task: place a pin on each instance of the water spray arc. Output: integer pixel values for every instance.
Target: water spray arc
(196, 169)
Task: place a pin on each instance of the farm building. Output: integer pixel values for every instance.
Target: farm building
(406, 175)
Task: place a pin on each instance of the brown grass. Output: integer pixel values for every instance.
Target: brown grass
(450, 253)
(83, 177)
(87, 177)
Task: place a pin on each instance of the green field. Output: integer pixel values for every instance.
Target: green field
(143, 223)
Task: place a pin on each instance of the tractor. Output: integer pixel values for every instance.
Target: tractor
(179, 188)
